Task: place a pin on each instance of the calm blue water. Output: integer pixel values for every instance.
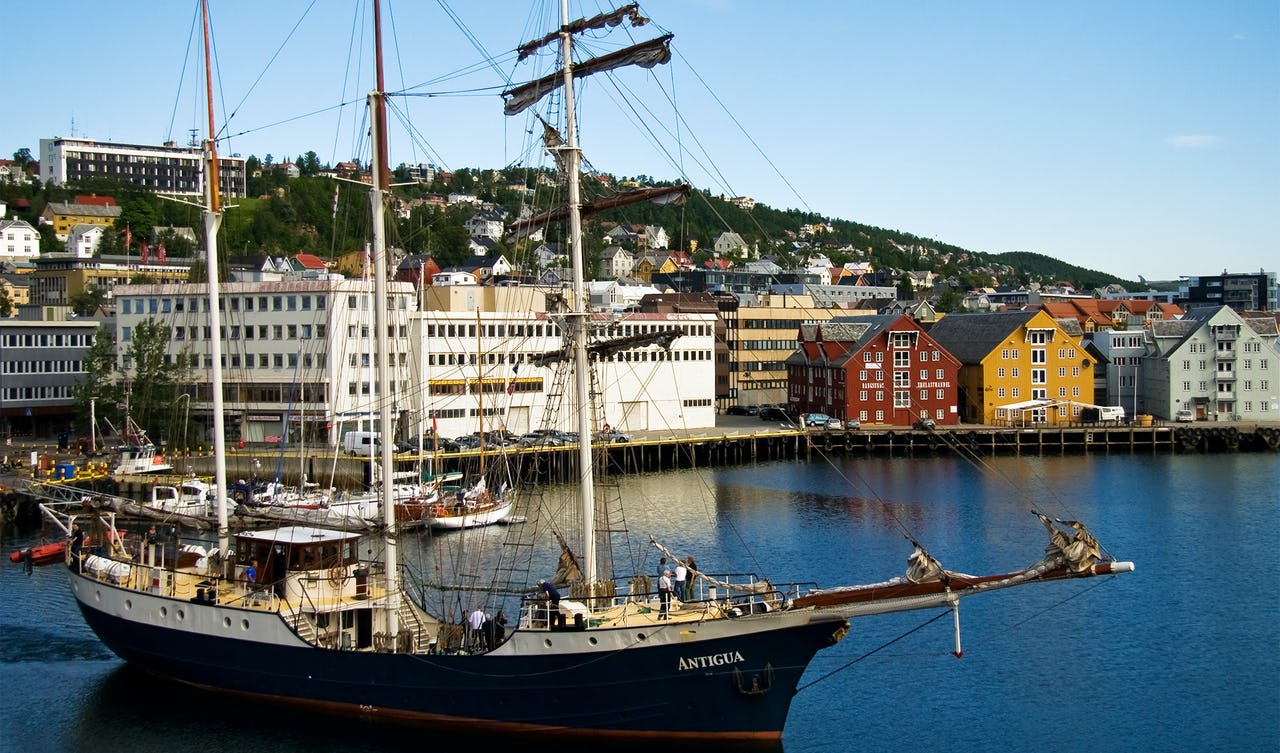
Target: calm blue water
(1181, 655)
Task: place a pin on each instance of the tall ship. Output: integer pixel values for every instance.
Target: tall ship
(331, 620)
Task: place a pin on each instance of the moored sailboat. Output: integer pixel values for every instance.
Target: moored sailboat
(305, 615)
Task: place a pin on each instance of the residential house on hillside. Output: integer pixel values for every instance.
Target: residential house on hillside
(488, 222)
(1024, 362)
(548, 255)
(654, 237)
(417, 269)
(64, 215)
(83, 240)
(19, 241)
(731, 245)
(615, 263)
(921, 311)
(623, 235)
(1215, 363)
(882, 369)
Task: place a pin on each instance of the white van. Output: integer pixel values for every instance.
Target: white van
(360, 442)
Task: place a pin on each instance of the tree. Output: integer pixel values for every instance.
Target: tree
(6, 305)
(23, 157)
(100, 385)
(154, 376)
(88, 302)
(906, 291)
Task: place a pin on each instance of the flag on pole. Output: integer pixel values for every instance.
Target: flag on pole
(128, 238)
(335, 201)
(145, 250)
(160, 252)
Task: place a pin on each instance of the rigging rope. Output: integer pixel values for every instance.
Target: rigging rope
(875, 650)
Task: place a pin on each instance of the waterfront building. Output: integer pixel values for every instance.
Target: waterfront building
(876, 369)
(484, 366)
(42, 359)
(297, 353)
(168, 169)
(1215, 363)
(1024, 362)
(761, 335)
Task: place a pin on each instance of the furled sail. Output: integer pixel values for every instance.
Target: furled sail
(599, 21)
(645, 54)
(658, 195)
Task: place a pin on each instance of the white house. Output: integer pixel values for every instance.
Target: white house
(616, 263)
(83, 240)
(19, 241)
(731, 246)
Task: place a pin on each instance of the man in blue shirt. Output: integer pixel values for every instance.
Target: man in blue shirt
(550, 597)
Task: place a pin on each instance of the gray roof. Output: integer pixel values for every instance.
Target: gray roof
(972, 337)
(83, 210)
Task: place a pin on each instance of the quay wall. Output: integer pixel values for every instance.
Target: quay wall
(654, 451)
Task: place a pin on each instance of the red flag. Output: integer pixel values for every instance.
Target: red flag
(146, 252)
(128, 238)
(434, 428)
(160, 252)
(511, 387)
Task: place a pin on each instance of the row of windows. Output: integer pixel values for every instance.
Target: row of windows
(865, 415)
(1247, 363)
(247, 361)
(47, 341)
(697, 403)
(43, 392)
(195, 304)
(1264, 385)
(1012, 354)
(1038, 376)
(1038, 394)
(787, 345)
(42, 367)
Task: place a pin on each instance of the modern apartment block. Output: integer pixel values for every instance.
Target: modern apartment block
(167, 168)
(1249, 291)
(41, 362)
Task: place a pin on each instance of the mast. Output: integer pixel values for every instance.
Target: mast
(381, 180)
(212, 216)
(579, 315)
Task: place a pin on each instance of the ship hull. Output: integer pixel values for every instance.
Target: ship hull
(721, 679)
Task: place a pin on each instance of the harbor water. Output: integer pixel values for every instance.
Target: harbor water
(1181, 655)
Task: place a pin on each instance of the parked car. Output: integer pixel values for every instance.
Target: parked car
(926, 423)
(1184, 416)
(607, 437)
(816, 419)
(543, 438)
(852, 423)
(773, 413)
(835, 424)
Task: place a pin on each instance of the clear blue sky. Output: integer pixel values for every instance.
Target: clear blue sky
(1137, 138)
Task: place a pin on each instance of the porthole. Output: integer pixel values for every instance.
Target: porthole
(226, 622)
(244, 624)
(164, 611)
(546, 642)
(639, 636)
(97, 596)
(592, 640)
(181, 615)
(128, 603)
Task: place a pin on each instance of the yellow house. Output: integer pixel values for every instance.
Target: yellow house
(65, 215)
(1026, 362)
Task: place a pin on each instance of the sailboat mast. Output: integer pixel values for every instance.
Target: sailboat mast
(212, 216)
(381, 180)
(579, 313)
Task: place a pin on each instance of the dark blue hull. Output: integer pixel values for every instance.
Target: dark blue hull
(736, 687)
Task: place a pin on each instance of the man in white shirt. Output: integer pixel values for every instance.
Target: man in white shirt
(475, 621)
(682, 575)
(664, 594)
